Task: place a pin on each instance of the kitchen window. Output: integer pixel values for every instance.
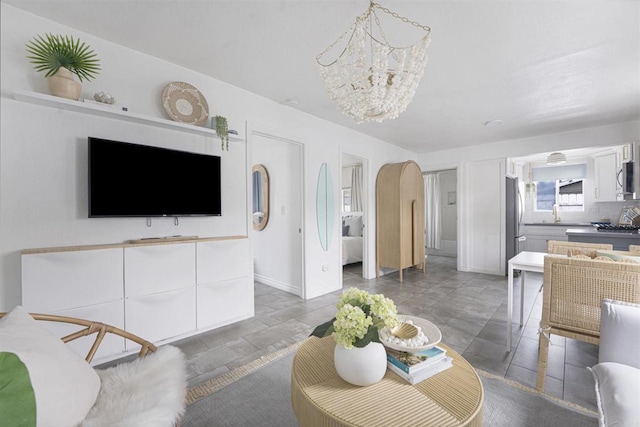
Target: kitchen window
(561, 185)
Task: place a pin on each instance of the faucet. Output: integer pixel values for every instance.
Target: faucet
(556, 218)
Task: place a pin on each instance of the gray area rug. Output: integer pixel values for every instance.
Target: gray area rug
(259, 395)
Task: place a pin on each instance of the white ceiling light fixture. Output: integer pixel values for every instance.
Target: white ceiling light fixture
(371, 80)
(556, 159)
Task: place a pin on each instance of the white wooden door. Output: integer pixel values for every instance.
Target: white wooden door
(483, 214)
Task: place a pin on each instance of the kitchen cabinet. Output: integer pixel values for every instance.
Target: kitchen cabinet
(605, 185)
(537, 236)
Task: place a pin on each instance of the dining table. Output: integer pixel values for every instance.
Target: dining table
(524, 261)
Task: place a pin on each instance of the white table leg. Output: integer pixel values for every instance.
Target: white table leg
(509, 306)
(521, 296)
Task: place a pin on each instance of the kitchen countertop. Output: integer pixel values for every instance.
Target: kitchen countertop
(594, 232)
(619, 240)
(560, 224)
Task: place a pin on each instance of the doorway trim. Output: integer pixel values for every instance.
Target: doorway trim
(279, 135)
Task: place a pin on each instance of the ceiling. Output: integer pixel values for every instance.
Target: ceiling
(539, 66)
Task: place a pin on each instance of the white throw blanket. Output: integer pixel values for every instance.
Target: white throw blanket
(149, 391)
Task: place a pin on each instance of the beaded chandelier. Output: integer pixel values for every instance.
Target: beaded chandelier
(376, 83)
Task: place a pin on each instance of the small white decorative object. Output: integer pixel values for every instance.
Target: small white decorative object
(104, 97)
(361, 366)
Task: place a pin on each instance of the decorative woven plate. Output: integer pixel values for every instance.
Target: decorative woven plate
(184, 103)
(431, 331)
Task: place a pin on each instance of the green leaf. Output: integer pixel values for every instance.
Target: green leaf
(51, 52)
(323, 330)
(370, 336)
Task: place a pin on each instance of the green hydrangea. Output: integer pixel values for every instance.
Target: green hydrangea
(355, 297)
(384, 309)
(351, 323)
(360, 316)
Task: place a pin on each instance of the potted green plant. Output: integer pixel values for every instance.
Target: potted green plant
(60, 57)
(222, 130)
(359, 357)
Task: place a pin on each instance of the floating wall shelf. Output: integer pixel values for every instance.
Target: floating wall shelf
(112, 112)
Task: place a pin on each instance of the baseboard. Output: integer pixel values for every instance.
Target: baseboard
(277, 284)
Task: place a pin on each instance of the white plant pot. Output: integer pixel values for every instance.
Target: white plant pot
(361, 366)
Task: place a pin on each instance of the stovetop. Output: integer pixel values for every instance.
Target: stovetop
(619, 228)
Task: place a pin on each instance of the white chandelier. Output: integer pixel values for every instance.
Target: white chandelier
(379, 83)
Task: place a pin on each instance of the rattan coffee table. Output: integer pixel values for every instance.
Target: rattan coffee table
(321, 398)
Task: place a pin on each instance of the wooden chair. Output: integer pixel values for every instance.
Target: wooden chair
(574, 248)
(127, 394)
(573, 290)
(90, 328)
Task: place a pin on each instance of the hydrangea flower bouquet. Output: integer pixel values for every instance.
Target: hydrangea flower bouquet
(359, 318)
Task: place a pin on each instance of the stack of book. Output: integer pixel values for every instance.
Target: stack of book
(417, 367)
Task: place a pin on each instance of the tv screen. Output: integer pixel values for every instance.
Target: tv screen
(132, 180)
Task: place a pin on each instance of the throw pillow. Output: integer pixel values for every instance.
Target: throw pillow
(65, 385)
(619, 326)
(617, 390)
(619, 255)
(17, 400)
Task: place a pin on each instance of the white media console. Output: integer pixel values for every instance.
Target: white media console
(161, 290)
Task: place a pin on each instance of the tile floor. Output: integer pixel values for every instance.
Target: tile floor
(469, 308)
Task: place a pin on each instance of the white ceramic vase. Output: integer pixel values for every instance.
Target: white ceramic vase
(361, 366)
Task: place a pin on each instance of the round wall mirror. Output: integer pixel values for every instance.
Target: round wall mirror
(260, 179)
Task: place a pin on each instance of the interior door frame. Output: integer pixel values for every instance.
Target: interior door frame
(265, 131)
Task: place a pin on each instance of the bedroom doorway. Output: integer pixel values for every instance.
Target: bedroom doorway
(354, 217)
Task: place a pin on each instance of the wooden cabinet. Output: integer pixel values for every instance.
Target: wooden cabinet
(400, 217)
(161, 291)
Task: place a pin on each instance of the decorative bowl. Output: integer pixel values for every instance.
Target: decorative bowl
(431, 332)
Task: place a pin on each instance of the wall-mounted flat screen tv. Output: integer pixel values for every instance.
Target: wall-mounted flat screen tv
(133, 180)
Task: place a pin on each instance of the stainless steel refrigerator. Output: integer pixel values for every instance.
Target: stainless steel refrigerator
(515, 208)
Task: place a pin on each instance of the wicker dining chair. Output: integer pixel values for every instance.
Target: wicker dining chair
(573, 290)
(634, 248)
(575, 248)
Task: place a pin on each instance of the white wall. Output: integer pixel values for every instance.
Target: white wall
(43, 155)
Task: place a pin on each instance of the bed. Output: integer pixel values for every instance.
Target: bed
(351, 239)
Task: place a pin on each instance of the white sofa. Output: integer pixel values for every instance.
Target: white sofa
(617, 374)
